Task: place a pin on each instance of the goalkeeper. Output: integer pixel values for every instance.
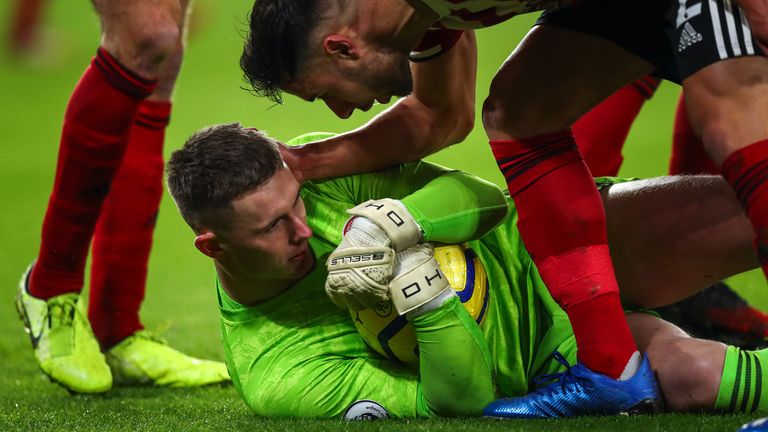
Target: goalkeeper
(292, 352)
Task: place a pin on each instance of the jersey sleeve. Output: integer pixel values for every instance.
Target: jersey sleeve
(451, 206)
(455, 362)
(435, 43)
(456, 207)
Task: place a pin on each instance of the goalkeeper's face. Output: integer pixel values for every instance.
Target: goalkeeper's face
(267, 235)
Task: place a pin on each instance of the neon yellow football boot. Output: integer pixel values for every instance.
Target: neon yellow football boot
(65, 347)
(143, 358)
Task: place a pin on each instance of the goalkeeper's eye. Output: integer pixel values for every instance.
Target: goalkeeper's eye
(273, 226)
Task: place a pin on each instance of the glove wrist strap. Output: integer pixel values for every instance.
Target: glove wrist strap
(432, 304)
(394, 219)
(418, 286)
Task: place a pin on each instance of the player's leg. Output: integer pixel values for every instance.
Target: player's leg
(654, 227)
(121, 248)
(698, 374)
(600, 134)
(688, 369)
(563, 227)
(727, 102)
(564, 73)
(24, 27)
(123, 236)
(137, 40)
(717, 312)
(688, 155)
(726, 90)
(756, 12)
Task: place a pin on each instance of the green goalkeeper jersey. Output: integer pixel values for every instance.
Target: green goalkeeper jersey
(300, 355)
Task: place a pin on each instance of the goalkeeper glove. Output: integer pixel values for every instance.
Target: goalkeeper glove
(418, 285)
(361, 266)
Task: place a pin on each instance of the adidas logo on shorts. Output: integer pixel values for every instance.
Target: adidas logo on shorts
(688, 37)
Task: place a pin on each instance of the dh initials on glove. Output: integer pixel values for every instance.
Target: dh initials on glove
(361, 266)
(418, 285)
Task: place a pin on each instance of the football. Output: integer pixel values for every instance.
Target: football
(394, 337)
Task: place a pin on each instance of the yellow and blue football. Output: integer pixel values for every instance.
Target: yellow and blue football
(394, 337)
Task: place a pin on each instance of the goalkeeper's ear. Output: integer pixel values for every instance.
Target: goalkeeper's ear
(208, 244)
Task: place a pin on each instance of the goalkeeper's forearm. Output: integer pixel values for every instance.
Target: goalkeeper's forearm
(454, 359)
(456, 371)
(457, 207)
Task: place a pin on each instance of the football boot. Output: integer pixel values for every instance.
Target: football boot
(64, 344)
(719, 313)
(145, 359)
(580, 391)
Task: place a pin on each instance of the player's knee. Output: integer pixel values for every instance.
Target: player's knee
(721, 124)
(169, 73)
(498, 118)
(147, 49)
(509, 115)
(155, 46)
(716, 139)
(689, 381)
(726, 102)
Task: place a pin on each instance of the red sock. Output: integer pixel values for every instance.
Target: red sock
(562, 222)
(93, 139)
(688, 155)
(746, 170)
(601, 133)
(26, 20)
(123, 237)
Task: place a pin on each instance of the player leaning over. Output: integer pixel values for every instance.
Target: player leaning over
(579, 53)
(292, 352)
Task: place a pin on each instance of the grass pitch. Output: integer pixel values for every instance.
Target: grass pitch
(180, 300)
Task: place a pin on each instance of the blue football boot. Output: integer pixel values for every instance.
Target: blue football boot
(759, 425)
(579, 391)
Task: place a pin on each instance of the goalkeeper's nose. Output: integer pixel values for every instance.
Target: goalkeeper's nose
(301, 231)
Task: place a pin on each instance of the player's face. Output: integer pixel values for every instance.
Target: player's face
(268, 234)
(347, 86)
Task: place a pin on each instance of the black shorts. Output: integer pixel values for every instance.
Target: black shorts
(678, 36)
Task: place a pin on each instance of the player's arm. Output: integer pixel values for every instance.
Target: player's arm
(455, 206)
(401, 207)
(438, 113)
(450, 206)
(449, 339)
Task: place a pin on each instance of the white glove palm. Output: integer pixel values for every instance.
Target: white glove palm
(359, 269)
(361, 266)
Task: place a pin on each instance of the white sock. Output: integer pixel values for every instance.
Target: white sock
(633, 364)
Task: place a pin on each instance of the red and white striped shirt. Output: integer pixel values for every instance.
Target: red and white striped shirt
(457, 15)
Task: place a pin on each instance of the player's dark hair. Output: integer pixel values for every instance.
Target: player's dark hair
(215, 166)
(277, 42)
